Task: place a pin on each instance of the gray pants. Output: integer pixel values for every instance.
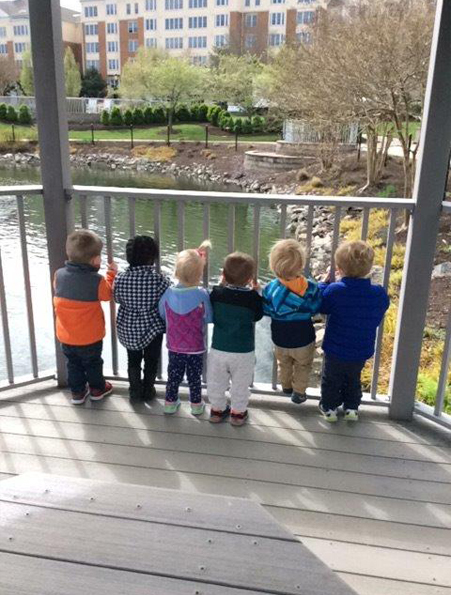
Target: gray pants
(234, 370)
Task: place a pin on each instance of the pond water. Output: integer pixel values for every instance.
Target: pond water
(37, 249)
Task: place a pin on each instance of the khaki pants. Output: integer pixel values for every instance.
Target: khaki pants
(294, 366)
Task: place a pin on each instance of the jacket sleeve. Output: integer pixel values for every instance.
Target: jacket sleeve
(161, 305)
(258, 308)
(267, 304)
(208, 308)
(315, 299)
(327, 299)
(106, 287)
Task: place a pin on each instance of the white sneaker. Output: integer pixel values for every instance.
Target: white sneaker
(351, 415)
(329, 414)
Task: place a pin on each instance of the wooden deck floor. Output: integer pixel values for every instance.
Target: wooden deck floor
(373, 501)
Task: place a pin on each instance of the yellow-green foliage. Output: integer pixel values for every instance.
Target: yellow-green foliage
(161, 153)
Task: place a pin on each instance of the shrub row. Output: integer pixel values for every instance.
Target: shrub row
(152, 115)
(8, 113)
(224, 119)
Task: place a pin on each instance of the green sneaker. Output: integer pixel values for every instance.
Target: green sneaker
(351, 415)
(197, 408)
(330, 415)
(171, 407)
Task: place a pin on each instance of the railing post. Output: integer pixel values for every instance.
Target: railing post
(424, 225)
(47, 50)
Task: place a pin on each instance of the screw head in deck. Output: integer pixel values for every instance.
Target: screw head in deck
(138, 506)
(188, 509)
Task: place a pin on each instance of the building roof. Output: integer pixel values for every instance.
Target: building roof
(19, 9)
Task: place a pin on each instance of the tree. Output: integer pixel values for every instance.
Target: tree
(116, 118)
(8, 74)
(26, 74)
(155, 75)
(233, 80)
(93, 85)
(72, 74)
(24, 115)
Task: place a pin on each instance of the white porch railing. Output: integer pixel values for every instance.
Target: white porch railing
(258, 202)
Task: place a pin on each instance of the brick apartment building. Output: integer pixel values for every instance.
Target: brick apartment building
(15, 31)
(113, 30)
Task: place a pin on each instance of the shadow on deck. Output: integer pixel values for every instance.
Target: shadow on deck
(372, 500)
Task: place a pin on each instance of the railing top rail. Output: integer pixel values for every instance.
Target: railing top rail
(246, 198)
(20, 190)
(446, 206)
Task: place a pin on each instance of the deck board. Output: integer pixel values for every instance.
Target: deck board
(377, 491)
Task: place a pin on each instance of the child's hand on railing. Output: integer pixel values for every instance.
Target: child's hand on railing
(256, 285)
(112, 267)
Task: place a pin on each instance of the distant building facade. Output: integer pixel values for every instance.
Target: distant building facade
(113, 30)
(15, 31)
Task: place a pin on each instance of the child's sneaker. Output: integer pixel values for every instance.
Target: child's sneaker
(78, 398)
(287, 391)
(98, 394)
(238, 419)
(329, 414)
(298, 398)
(217, 416)
(351, 415)
(197, 408)
(171, 407)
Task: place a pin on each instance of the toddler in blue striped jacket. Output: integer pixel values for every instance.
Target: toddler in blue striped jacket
(291, 300)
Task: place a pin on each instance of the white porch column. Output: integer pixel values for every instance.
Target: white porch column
(421, 241)
(47, 52)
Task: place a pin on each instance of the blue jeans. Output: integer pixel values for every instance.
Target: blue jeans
(179, 364)
(340, 383)
(84, 365)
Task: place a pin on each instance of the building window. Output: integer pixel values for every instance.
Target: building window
(250, 20)
(278, 18)
(132, 45)
(220, 41)
(174, 43)
(247, 2)
(133, 26)
(20, 47)
(3, 48)
(276, 39)
(19, 64)
(20, 30)
(111, 9)
(92, 64)
(129, 9)
(250, 41)
(306, 17)
(173, 24)
(151, 42)
(277, 1)
(2, 31)
(222, 2)
(91, 29)
(90, 12)
(197, 22)
(306, 1)
(197, 4)
(199, 60)
(257, 2)
(222, 20)
(197, 42)
(151, 24)
(113, 64)
(92, 47)
(111, 28)
(151, 4)
(173, 4)
(304, 37)
(113, 46)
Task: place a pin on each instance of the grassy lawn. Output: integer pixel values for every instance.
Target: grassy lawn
(185, 132)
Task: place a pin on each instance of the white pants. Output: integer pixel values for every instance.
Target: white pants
(225, 368)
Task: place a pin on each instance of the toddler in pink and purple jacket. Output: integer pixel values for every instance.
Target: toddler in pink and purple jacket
(186, 309)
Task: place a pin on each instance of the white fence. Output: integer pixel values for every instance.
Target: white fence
(78, 105)
(301, 131)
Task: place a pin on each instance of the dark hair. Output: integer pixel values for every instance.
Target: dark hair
(141, 250)
(239, 268)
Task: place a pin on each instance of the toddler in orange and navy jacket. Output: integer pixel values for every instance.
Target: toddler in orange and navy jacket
(80, 323)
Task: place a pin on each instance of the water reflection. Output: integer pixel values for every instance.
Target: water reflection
(37, 250)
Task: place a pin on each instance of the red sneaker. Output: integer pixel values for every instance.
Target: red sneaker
(78, 398)
(98, 394)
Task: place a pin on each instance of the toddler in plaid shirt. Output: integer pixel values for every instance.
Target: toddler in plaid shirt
(139, 326)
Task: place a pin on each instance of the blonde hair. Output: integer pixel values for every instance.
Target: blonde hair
(190, 263)
(355, 259)
(83, 245)
(239, 269)
(287, 259)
